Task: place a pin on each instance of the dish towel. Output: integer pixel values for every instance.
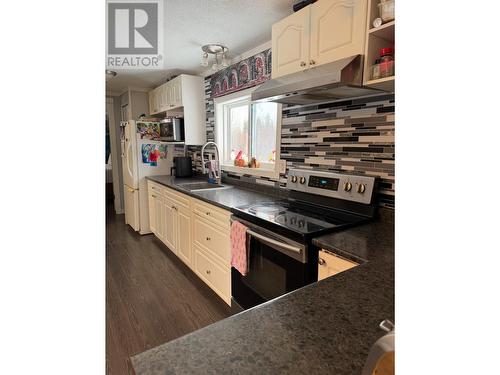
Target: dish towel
(239, 248)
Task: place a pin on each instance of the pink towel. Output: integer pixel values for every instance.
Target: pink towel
(239, 253)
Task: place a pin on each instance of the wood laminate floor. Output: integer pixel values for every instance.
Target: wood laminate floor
(151, 296)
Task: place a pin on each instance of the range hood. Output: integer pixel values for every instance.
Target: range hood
(334, 81)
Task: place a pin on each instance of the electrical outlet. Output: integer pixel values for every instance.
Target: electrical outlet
(282, 166)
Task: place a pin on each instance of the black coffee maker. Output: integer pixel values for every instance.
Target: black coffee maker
(183, 166)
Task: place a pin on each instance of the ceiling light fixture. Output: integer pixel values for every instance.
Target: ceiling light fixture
(219, 51)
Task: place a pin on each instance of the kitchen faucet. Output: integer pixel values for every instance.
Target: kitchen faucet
(217, 174)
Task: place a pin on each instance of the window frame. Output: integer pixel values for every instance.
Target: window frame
(221, 137)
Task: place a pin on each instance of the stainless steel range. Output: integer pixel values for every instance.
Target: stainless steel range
(282, 257)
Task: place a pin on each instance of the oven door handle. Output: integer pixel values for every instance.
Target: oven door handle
(274, 242)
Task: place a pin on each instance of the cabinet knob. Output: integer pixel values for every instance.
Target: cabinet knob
(321, 261)
(312, 62)
(208, 213)
(208, 272)
(208, 238)
(303, 63)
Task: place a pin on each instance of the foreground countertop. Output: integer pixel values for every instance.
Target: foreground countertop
(324, 328)
(223, 198)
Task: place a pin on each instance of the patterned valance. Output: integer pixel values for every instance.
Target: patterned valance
(247, 73)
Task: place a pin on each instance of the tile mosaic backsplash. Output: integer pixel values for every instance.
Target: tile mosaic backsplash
(352, 136)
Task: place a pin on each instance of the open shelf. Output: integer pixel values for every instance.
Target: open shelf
(386, 83)
(385, 31)
(376, 39)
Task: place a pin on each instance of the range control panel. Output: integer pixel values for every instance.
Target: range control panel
(335, 185)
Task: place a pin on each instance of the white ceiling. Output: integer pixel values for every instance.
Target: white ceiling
(241, 25)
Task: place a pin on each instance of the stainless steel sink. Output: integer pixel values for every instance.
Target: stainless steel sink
(196, 186)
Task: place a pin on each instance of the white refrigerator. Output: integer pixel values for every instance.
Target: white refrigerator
(142, 155)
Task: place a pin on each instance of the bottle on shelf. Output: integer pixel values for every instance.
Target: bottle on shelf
(384, 65)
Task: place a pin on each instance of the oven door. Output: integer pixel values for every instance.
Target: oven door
(277, 265)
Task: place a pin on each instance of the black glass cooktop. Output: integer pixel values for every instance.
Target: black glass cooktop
(298, 217)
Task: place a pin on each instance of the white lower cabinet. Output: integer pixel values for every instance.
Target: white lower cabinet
(170, 226)
(212, 238)
(156, 219)
(197, 232)
(184, 237)
(215, 275)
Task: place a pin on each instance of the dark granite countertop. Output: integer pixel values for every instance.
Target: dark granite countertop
(223, 198)
(324, 328)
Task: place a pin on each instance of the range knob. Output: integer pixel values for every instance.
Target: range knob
(361, 188)
(294, 179)
(302, 180)
(347, 186)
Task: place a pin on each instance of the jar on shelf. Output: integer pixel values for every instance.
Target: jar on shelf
(386, 10)
(375, 70)
(387, 54)
(386, 66)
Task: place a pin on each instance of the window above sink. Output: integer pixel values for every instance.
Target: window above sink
(246, 130)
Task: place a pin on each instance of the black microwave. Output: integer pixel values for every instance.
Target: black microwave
(172, 129)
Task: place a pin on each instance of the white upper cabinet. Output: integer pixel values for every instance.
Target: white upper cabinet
(168, 96)
(163, 98)
(324, 32)
(154, 101)
(175, 93)
(338, 30)
(183, 96)
(290, 45)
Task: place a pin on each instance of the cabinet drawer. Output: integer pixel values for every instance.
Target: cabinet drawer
(215, 215)
(156, 188)
(177, 198)
(213, 239)
(217, 277)
(330, 264)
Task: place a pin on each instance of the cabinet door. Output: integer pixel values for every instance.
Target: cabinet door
(170, 94)
(159, 218)
(169, 226)
(151, 95)
(155, 101)
(290, 43)
(183, 241)
(152, 213)
(176, 93)
(158, 100)
(162, 92)
(338, 30)
(216, 277)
